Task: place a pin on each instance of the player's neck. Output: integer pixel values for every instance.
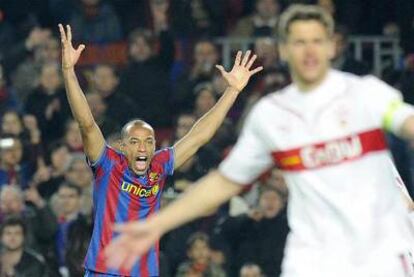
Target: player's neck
(308, 86)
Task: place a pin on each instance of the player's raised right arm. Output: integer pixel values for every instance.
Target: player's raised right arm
(93, 140)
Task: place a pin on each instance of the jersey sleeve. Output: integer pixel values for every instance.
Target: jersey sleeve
(386, 104)
(106, 158)
(251, 155)
(166, 158)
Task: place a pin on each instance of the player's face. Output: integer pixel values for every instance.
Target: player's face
(139, 148)
(12, 237)
(308, 51)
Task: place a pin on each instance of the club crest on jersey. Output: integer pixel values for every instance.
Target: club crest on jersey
(154, 176)
(140, 191)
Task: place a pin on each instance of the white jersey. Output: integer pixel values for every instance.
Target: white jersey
(344, 206)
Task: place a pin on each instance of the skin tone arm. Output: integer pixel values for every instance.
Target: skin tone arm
(137, 237)
(204, 129)
(93, 140)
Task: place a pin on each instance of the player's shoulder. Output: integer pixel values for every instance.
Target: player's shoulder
(162, 155)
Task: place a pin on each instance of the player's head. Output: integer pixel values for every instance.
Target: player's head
(138, 145)
(305, 35)
(250, 270)
(12, 233)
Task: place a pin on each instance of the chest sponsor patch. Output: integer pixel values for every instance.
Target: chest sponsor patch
(331, 152)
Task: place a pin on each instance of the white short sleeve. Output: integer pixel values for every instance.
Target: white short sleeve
(251, 156)
(386, 104)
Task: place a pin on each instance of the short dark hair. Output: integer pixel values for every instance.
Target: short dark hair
(133, 122)
(145, 34)
(197, 236)
(71, 186)
(300, 12)
(13, 221)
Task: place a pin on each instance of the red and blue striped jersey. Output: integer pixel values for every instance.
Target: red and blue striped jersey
(120, 195)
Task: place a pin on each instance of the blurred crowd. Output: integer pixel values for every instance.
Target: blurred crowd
(161, 69)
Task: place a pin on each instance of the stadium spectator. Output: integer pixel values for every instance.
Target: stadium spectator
(15, 260)
(197, 18)
(250, 270)
(48, 177)
(72, 137)
(146, 79)
(21, 64)
(37, 216)
(48, 103)
(199, 258)
(263, 22)
(105, 81)
(99, 111)
(251, 237)
(96, 22)
(205, 57)
(8, 97)
(343, 59)
(14, 170)
(78, 173)
(74, 230)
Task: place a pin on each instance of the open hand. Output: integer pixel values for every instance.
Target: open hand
(70, 55)
(134, 240)
(240, 74)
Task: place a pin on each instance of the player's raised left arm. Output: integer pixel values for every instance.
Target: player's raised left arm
(204, 129)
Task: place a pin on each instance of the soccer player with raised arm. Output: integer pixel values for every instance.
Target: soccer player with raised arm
(325, 131)
(128, 184)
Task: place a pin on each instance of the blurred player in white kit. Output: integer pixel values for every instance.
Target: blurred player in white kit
(325, 131)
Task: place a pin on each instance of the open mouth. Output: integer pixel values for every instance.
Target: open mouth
(141, 162)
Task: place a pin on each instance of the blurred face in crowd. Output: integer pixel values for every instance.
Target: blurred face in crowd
(267, 8)
(50, 78)
(277, 181)
(11, 154)
(12, 237)
(11, 201)
(105, 80)
(205, 101)
(184, 124)
(11, 124)
(79, 173)
(308, 50)
(139, 49)
(49, 51)
(69, 201)
(199, 252)
(60, 157)
(266, 52)
(328, 5)
(73, 136)
(96, 104)
(250, 271)
(138, 145)
(205, 53)
(90, 2)
(270, 203)
(340, 44)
